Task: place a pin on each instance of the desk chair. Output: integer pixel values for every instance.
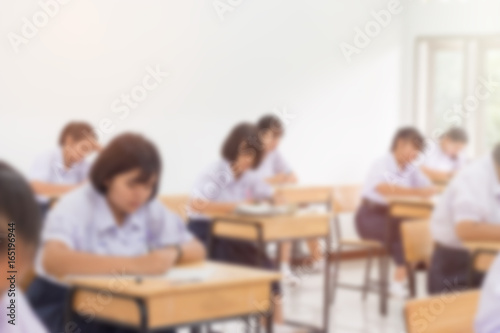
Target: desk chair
(177, 204)
(304, 196)
(450, 313)
(346, 199)
(417, 246)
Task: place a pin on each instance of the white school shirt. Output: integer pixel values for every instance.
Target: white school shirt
(438, 160)
(273, 164)
(25, 321)
(218, 184)
(473, 195)
(387, 170)
(49, 168)
(84, 222)
(488, 314)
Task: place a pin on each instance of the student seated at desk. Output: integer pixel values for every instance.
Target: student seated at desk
(469, 210)
(64, 168)
(17, 207)
(275, 170)
(445, 159)
(222, 187)
(395, 174)
(487, 317)
(112, 225)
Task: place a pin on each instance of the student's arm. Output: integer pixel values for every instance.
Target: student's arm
(51, 190)
(387, 189)
(437, 176)
(471, 231)
(192, 251)
(282, 178)
(60, 260)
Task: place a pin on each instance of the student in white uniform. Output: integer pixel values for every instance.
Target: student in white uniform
(395, 174)
(275, 170)
(469, 210)
(64, 168)
(447, 157)
(18, 210)
(487, 317)
(113, 225)
(222, 187)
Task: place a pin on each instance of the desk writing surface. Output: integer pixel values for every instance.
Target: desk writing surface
(278, 227)
(411, 206)
(223, 274)
(487, 246)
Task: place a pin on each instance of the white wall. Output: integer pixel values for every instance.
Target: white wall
(266, 54)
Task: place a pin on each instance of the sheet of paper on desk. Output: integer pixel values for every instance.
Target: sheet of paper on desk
(189, 274)
(262, 209)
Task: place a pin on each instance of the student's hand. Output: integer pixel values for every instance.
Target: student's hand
(156, 262)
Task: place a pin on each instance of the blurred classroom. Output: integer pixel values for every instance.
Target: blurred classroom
(250, 166)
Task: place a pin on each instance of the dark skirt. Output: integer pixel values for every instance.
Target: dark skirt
(48, 300)
(374, 222)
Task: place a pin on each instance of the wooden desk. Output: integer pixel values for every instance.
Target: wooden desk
(482, 256)
(263, 230)
(299, 194)
(231, 292)
(410, 207)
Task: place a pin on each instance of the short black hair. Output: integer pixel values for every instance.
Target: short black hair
(410, 134)
(242, 138)
(18, 206)
(496, 154)
(271, 122)
(78, 130)
(124, 153)
(456, 134)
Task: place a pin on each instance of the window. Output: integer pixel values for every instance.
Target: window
(457, 83)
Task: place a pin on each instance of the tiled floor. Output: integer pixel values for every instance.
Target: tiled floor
(349, 314)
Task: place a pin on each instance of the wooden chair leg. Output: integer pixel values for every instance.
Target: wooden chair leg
(411, 280)
(368, 267)
(335, 275)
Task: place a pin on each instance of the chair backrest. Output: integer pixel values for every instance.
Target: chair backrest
(445, 313)
(346, 198)
(417, 241)
(306, 194)
(177, 204)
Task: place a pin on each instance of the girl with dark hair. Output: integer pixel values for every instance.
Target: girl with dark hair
(225, 185)
(19, 231)
(114, 224)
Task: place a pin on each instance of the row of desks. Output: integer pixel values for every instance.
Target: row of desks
(233, 292)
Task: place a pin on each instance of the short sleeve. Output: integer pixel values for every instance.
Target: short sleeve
(261, 190)
(60, 225)
(487, 319)
(41, 169)
(421, 180)
(465, 204)
(280, 165)
(166, 228)
(210, 185)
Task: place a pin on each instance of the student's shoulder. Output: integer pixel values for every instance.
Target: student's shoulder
(49, 155)
(80, 200)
